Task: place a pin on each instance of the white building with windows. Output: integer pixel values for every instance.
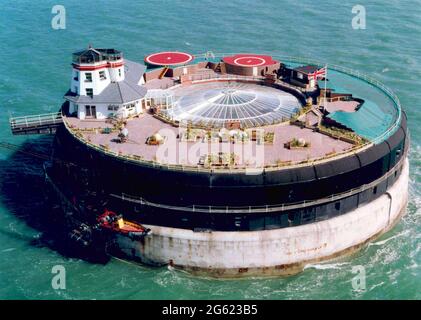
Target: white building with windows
(104, 85)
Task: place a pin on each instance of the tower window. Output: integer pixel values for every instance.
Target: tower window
(119, 72)
(102, 75)
(76, 77)
(88, 77)
(89, 92)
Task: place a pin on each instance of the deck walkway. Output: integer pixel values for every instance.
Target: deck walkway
(175, 152)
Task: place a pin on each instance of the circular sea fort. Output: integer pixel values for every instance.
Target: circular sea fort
(240, 164)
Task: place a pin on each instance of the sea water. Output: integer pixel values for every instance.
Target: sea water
(35, 73)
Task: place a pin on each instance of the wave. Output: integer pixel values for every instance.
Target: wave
(382, 242)
(327, 266)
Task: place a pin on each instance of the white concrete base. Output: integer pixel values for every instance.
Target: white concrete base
(271, 252)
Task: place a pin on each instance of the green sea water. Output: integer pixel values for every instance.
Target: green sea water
(35, 73)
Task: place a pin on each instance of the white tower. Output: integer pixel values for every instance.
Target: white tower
(99, 88)
(95, 69)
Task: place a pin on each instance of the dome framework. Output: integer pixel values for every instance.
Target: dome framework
(215, 104)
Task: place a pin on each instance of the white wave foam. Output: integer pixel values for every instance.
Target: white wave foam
(376, 285)
(326, 266)
(382, 242)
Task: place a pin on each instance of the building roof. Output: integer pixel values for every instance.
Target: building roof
(307, 69)
(133, 71)
(92, 55)
(114, 93)
(89, 55)
(119, 92)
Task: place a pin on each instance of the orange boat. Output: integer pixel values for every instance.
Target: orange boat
(114, 222)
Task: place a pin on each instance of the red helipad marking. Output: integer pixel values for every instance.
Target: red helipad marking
(168, 58)
(249, 60)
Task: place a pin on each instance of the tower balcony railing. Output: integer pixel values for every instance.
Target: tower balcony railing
(96, 58)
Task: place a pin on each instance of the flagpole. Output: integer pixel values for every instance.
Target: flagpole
(325, 85)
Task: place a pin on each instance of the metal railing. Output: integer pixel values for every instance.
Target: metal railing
(192, 168)
(236, 169)
(36, 120)
(198, 78)
(265, 208)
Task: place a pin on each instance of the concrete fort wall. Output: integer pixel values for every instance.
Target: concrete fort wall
(271, 252)
(252, 71)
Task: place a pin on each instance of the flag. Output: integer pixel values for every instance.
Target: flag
(318, 74)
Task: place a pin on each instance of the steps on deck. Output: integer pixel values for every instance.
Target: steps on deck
(220, 67)
(163, 72)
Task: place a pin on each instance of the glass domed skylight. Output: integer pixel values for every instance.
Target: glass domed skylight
(214, 104)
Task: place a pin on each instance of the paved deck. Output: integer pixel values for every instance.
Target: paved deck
(346, 106)
(163, 83)
(172, 151)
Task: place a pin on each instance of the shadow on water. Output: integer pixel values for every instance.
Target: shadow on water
(23, 194)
